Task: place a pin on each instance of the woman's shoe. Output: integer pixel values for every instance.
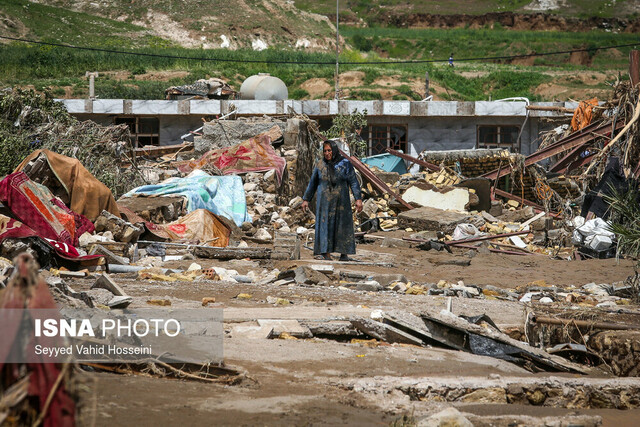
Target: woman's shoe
(325, 257)
(345, 258)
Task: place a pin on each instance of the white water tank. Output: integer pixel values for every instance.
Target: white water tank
(263, 86)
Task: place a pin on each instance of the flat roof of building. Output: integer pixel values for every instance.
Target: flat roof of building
(312, 108)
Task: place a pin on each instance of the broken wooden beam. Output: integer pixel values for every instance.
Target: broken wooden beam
(583, 323)
(161, 150)
(585, 135)
(375, 181)
(494, 250)
(412, 159)
(550, 108)
(487, 237)
(231, 253)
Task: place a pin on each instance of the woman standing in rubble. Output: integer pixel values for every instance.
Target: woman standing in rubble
(332, 177)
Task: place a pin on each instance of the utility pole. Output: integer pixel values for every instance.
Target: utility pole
(337, 52)
(92, 89)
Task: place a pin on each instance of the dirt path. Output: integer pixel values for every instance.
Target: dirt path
(328, 382)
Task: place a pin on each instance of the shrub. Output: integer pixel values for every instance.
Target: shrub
(298, 94)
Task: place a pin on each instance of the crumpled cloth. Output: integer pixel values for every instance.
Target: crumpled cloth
(28, 291)
(583, 114)
(41, 211)
(87, 195)
(253, 155)
(222, 195)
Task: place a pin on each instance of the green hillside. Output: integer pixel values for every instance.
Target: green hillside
(157, 56)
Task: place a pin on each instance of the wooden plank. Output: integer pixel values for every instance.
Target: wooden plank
(232, 253)
(375, 181)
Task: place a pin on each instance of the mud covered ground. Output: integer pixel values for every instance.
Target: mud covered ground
(336, 382)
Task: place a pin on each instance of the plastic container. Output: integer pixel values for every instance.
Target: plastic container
(600, 243)
(387, 162)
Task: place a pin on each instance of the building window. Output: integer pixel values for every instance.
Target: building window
(144, 130)
(498, 137)
(381, 137)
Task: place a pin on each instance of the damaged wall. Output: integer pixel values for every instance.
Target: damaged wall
(455, 133)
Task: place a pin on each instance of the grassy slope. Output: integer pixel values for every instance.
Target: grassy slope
(62, 70)
(205, 20)
(54, 24)
(369, 9)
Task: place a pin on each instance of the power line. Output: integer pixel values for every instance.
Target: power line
(266, 61)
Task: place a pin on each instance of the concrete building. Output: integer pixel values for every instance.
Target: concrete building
(407, 125)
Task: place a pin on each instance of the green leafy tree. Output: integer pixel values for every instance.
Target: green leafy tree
(348, 126)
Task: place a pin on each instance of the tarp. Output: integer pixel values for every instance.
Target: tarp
(40, 210)
(87, 195)
(222, 195)
(253, 155)
(200, 226)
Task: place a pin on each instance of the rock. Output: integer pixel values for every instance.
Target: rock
(278, 301)
(520, 215)
(296, 202)
(260, 210)
(367, 286)
(486, 395)
(425, 235)
(496, 208)
(159, 302)
(110, 256)
(119, 302)
(594, 289)
(369, 209)
(449, 417)
(105, 281)
(305, 275)
(536, 398)
(122, 231)
(427, 218)
(332, 328)
(270, 175)
(392, 242)
(280, 223)
(263, 234)
(399, 287)
(194, 267)
(323, 268)
(252, 332)
(208, 300)
(250, 186)
(488, 217)
(386, 279)
(291, 327)
(545, 300)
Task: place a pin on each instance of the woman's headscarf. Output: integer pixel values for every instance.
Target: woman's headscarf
(335, 153)
(335, 157)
